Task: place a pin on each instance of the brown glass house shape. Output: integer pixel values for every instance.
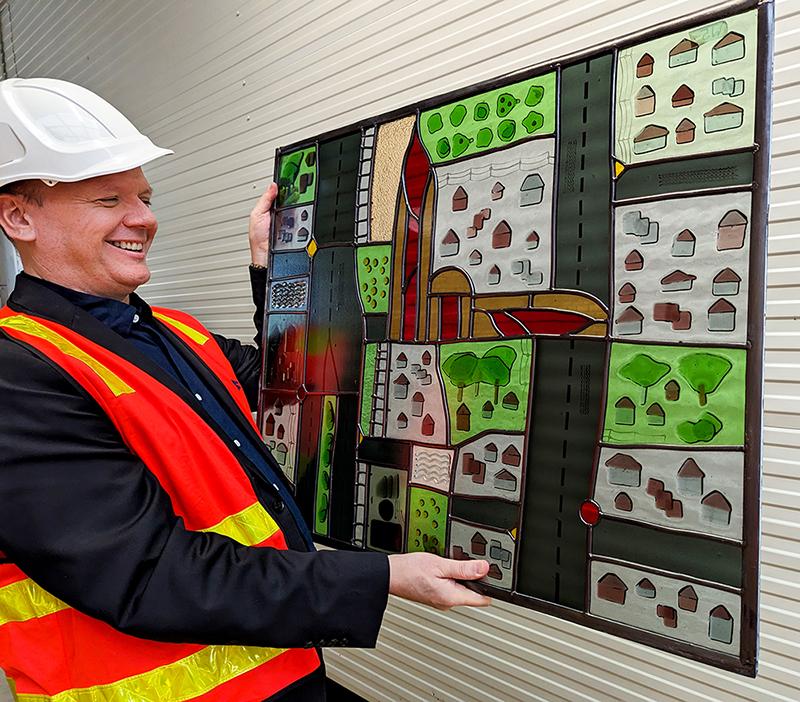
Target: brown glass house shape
(627, 293)
(672, 391)
(463, 418)
(715, 509)
(683, 96)
(684, 244)
(428, 425)
(644, 67)
(684, 132)
(726, 282)
(460, 200)
(687, 599)
(690, 478)
(511, 456)
(623, 502)
(478, 544)
(630, 321)
(624, 469)
(634, 261)
(501, 236)
(511, 401)
(612, 589)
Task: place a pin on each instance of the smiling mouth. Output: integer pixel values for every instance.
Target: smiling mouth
(128, 245)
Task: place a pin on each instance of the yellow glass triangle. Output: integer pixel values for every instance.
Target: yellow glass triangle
(312, 248)
(514, 533)
(618, 168)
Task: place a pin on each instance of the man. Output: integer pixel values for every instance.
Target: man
(152, 550)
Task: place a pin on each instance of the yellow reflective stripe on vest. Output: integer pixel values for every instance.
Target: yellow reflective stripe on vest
(24, 600)
(185, 679)
(31, 327)
(249, 527)
(193, 334)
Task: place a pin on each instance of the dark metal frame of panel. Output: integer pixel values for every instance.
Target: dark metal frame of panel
(746, 662)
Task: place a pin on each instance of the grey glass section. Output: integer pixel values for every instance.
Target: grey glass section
(583, 220)
(717, 561)
(569, 379)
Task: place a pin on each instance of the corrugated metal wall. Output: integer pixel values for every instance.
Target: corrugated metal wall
(224, 83)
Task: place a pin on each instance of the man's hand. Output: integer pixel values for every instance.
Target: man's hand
(260, 219)
(431, 580)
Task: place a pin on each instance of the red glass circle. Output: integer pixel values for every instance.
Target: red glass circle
(302, 393)
(590, 513)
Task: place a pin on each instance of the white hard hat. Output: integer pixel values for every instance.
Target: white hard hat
(58, 131)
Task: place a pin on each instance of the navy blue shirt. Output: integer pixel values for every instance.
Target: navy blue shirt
(134, 321)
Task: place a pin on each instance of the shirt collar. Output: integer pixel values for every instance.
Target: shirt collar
(118, 316)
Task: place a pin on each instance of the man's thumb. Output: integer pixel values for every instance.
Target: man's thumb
(471, 570)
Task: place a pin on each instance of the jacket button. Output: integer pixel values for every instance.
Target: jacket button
(279, 506)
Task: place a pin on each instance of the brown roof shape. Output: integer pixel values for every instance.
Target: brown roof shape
(681, 46)
(401, 380)
(728, 39)
(655, 410)
(685, 125)
(450, 238)
(646, 60)
(716, 499)
(463, 410)
(651, 131)
(625, 403)
(690, 469)
(624, 461)
(631, 314)
(634, 257)
(733, 218)
(721, 306)
(719, 612)
(677, 277)
(506, 475)
(645, 584)
(478, 538)
(627, 289)
(726, 108)
(683, 93)
(727, 275)
(686, 235)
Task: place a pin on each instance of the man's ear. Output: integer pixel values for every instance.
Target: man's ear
(15, 218)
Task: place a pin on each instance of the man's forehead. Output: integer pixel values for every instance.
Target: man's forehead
(133, 180)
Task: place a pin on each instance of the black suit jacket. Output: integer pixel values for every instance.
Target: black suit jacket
(84, 517)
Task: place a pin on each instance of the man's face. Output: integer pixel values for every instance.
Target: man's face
(93, 235)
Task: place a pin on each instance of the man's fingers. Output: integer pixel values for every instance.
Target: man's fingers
(468, 598)
(264, 203)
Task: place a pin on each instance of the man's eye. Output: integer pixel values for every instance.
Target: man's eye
(108, 200)
(146, 201)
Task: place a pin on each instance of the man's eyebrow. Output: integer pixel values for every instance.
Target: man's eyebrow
(146, 191)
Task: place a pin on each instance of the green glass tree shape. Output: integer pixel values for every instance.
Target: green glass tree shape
(704, 372)
(644, 371)
(460, 369)
(495, 367)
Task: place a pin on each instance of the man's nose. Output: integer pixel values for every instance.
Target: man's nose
(140, 216)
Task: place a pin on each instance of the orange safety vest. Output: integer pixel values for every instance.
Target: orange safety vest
(50, 651)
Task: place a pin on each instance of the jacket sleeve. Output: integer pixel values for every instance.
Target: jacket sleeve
(246, 359)
(86, 520)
